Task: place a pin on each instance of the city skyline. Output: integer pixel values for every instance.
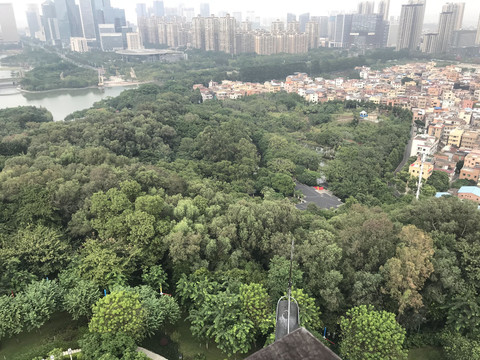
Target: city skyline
(264, 10)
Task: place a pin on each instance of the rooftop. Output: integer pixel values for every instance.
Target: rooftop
(470, 190)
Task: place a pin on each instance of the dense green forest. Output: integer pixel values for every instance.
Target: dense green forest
(201, 66)
(154, 192)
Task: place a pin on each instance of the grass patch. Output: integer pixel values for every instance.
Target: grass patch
(426, 353)
(59, 332)
(178, 340)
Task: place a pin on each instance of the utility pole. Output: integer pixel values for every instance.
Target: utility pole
(420, 177)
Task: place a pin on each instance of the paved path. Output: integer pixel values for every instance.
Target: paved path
(322, 199)
(406, 154)
(150, 354)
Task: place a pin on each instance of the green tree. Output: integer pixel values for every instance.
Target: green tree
(406, 273)
(278, 276)
(439, 180)
(159, 310)
(40, 250)
(119, 312)
(368, 334)
(79, 300)
(257, 307)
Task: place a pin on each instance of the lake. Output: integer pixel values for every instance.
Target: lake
(60, 102)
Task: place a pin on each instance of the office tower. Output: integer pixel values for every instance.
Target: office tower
(384, 9)
(477, 38)
(50, 23)
(366, 7)
(393, 28)
(141, 10)
(429, 43)
(211, 33)
(323, 26)
(87, 15)
(33, 19)
(293, 27)
(411, 22)
(74, 18)
(331, 27)
(446, 24)
(303, 19)
(8, 25)
(291, 17)
(205, 10)
(115, 16)
(226, 34)
(198, 32)
(64, 25)
(312, 31)
(158, 8)
(463, 38)
(277, 27)
(78, 44)
(238, 17)
(341, 35)
(368, 30)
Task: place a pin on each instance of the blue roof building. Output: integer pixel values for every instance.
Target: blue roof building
(469, 193)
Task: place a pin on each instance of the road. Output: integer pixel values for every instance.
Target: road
(323, 199)
(406, 154)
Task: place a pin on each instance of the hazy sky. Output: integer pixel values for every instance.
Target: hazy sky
(273, 9)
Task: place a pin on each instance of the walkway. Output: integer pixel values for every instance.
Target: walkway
(150, 355)
(406, 154)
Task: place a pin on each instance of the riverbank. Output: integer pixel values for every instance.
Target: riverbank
(107, 85)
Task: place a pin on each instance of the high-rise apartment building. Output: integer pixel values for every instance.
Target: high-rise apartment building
(458, 10)
(277, 26)
(293, 27)
(393, 29)
(446, 25)
(477, 38)
(291, 17)
(134, 42)
(226, 35)
(366, 7)
(211, 33)
(312, 32)
(33, 19)
(384, 9)
(205, 10)
(410, 27)
(198, 32)
(430, 43)
(8, 25)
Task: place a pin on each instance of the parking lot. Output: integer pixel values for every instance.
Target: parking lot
(322, 199)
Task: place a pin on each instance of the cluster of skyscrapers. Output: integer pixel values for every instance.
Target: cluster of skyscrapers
(84, 24)
(230, 34)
